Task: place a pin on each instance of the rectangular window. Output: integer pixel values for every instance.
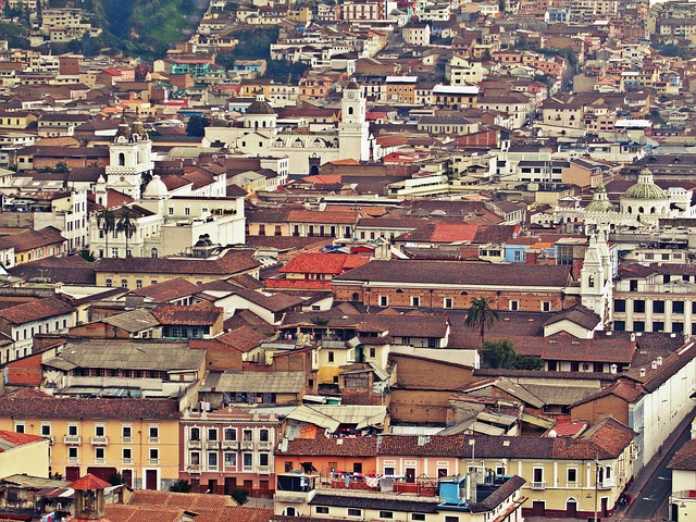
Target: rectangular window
(639, 306)
(545, 306)
(619, 305)
(658, 307)
(72, 430)
(677, 327)
(45, 430)
(677, 307)
(658, 326)
(330, 356)
(154, 455)
(418, 516)
(638, 326)
(619, 326)
(354, 512)
(383, 301)
(514, 305)
(247, 461)
(447, 302)
(230, 460)
(19, 427)
(322, 510)
(99, 454)
(572, 475)
(386, 514)
(153, 433)
(212, 460)
(126, 433)
(99, 430)
(212, 434)
(72, 453)
(127, 455)
(415, 301)
(451, 518)
(230, 434)
(263, 459)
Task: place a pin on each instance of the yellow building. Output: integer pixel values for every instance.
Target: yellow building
(23, 453)
(138, 438)
(139, 272)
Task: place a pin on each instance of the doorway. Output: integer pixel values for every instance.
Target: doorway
(72, 473)
(151, 479)
(538, 508)
(572, 508)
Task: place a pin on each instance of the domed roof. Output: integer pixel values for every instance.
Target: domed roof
(600, 202)
(645, 188)
(260, 107)
(352, 85)
(155, 189)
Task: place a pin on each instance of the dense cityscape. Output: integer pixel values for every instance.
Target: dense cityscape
(368, 260)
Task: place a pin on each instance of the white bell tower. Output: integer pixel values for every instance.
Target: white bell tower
(130, 158)
(596, 278)
(353, 131)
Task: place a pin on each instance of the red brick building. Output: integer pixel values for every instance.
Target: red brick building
(454, 284)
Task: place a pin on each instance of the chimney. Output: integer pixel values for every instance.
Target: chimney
(613, 368)
(633, 337)
(653, 365)
(659, 360)
(642, 372)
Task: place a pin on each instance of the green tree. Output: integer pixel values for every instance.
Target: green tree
(126, 224)
(196, 125)
(239, 495)
(481, 316)
(106, 224)
(180, 486)
(116, 479)
(501, 354)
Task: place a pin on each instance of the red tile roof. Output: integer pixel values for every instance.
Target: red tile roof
(89, 482)
(32, 239)
(197, 314)
(36, 310)
(685, 458)
(168, 290)
(347, 217)
(12, 439)
(323, 263)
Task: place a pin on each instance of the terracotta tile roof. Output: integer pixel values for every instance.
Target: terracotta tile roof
(11, 439)
(36, 310)
(460, 273)
(32, 239)
(167, 290)
(610, 435)
(325, 446)
(623, 389)
(323, 263)
(233, 262)
(88, 482)
(32, 404)
(685, 458)
(442, 233)
(199, 314)
(125, 513)
(67, 270)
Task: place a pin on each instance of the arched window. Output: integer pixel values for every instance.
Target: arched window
(355, 297)
(630, 209)
(652, 210)
(350, 111)
(298, 144)
(590, 281)
(121, 159)
(154, 253)
(641, 210)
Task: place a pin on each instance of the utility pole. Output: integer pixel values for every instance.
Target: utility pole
(596, 485)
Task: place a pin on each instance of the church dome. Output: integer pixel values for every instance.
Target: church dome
(260, 107)
(156, 189)
(645, 188)
(600, 202)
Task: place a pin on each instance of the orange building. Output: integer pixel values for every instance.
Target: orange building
(324, 456)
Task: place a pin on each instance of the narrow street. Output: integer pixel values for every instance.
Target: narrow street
(651, 499)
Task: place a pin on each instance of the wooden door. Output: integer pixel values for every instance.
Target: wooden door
(151, 479)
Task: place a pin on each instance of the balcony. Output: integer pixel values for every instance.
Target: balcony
(264, 445)
(606, 484)
(72, 440)
(194, 468)
(212, 444)
(264, 469)
(194, 443)
(538, 485)
(230, 444)
(153, 440)
(153, 462)
(128, 461)
(247, 445)
(99, 441)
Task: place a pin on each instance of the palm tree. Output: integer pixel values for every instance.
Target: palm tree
(481, 316)
(106, 223)
(127, 225)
